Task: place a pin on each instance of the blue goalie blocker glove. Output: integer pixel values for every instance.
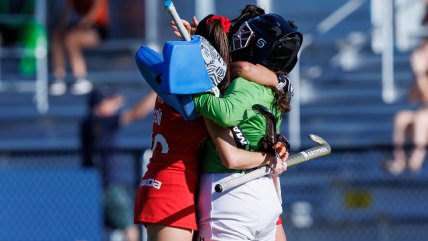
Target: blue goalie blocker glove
(191, 67)
(151, 65)
(185, 68)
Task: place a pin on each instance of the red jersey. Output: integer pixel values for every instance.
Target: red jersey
(166, 194)
(172, 135)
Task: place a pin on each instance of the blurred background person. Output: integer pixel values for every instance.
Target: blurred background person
(413, 123)
(410, 125)
(82, 24)
(98, 135)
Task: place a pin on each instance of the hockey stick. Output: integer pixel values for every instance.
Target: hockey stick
(322, 149)
(170, 8)
(270, 123)
(269, 139)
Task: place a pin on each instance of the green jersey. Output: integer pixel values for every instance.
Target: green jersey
(235, 108)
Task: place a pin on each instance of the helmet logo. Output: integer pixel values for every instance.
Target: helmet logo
(261, 43)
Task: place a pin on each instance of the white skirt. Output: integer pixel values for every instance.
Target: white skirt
(247, 212)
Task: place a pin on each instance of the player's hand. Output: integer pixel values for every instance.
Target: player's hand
(191, 29)
(281, 147)
(277, 164)
(280, 150)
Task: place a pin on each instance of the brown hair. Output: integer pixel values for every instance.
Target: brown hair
(214, 32)
(250, 11)
(282, 100)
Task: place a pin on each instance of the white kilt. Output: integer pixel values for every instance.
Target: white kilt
(247, 212)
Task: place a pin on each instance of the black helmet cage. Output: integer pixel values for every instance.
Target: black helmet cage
(283, 56)
(268, 40)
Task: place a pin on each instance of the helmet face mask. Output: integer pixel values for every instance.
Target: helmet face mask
(243, 37)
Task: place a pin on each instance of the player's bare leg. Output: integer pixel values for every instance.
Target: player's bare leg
(402, 121)
(76, 41)
(58, 87)
(58, 56)
(280, 233)
(132, 233)
(420, 140)
(165, 233)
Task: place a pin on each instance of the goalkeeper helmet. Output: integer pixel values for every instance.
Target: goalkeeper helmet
(269, 40)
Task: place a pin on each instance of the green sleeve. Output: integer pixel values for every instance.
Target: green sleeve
(234, 107)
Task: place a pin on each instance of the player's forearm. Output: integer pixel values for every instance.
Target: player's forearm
(231, 156)
(254, 72)
(240, 159)
(140, 110)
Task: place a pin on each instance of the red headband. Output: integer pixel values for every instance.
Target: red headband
(224, 22)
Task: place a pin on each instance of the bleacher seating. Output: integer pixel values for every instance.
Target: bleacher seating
(339, 196)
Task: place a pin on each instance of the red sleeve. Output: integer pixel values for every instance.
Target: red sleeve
(279, 221)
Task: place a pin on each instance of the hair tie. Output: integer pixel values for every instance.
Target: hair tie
(225, 22)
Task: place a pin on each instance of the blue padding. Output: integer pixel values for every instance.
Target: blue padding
(50, 205)
(168, 4)
(185, 70)
(151, 66)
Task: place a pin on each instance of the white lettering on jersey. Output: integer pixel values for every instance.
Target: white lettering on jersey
(157, 116)
(159, 138)
(240, 136)
(151, 183)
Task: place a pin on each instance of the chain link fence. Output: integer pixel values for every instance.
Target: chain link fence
(45, 195)
(350, 196)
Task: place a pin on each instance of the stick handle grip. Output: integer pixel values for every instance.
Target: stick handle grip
(259, 172)
(170, 8)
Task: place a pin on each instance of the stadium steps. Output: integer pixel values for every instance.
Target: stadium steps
(343, 106)
(343, 103)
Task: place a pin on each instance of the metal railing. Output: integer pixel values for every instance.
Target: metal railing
(339, 15)
(39, 52)
(328, 23)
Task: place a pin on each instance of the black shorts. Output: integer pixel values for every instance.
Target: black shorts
(101, 30)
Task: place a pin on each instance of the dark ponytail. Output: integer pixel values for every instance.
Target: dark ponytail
(250, 11)
(282, 100)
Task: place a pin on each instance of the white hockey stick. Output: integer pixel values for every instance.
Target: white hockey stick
(170, 8)
(322, 149)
